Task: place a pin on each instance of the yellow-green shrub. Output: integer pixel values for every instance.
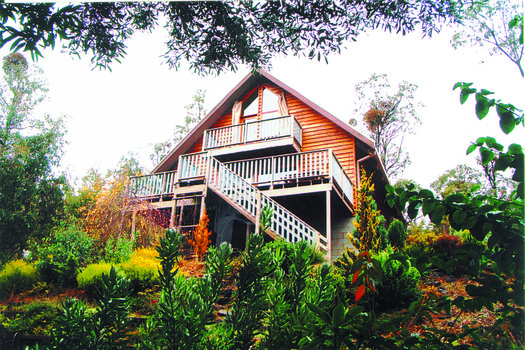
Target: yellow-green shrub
(91, 277)
(16, 277)
(142, 268)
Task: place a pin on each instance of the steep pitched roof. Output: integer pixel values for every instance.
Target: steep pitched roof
(250, 81)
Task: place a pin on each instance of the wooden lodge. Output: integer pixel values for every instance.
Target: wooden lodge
(265, 145)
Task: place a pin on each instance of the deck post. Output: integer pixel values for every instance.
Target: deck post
(328, 227)
(258, 215)
(173, 213)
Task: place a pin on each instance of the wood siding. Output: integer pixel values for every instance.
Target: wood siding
(318, 132)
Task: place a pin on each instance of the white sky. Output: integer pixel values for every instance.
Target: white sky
(141, 100)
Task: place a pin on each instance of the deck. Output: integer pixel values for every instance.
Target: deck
(277, 175)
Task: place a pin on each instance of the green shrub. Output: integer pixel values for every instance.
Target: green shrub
(91, 277)
(31, 318)
(400, 282)
(142, 268)
(62, 256)
(396, 234)
(17, 276)
(119, 249)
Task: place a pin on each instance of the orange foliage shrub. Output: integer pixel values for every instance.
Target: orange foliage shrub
(201, 236)
(109, 213)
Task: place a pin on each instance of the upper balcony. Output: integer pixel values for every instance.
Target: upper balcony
(282, 134)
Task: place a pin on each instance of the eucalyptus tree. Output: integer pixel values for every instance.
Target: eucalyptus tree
(496, 25)
(215, 35)
(389, 113)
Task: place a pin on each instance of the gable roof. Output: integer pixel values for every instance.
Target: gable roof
(249, 82)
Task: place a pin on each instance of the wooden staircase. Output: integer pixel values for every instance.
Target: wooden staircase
(249, 201)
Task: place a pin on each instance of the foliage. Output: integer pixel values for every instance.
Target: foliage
(497, 268)
(396, 234)
(31, 318)
(461, 179)
(399, 283)
(185, 309)
(109, 214)
(388, 115)
(31, 198)
(497, 24)
(195, 112)
(107, 328)
(214, 36)
(118, 249)
(201, 237)
(62, 254)
(370, 233)
(16, 276)
(366, 274)
(250, 300)
(141, 268)
(91, 277)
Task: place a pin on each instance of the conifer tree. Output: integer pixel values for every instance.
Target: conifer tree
(369, 233)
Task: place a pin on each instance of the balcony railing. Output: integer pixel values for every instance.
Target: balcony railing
(251, 132)
(152, 185)
(294, 167)
(259, 172)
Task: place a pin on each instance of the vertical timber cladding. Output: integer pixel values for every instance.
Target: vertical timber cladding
(321, 133)
(318, 132)
(224, 120)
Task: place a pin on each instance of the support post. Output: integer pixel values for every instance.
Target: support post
(258, 214)
(328, 226)
(173, 212)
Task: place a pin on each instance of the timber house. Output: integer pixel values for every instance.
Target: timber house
(266, 145)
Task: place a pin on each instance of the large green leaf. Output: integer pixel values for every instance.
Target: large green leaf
(482, 106)
(486, 155)
(437, 213)
(506, 119)
(459, 216)
(424, 193)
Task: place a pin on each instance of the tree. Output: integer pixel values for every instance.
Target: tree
(370, 233)
(461, 179)
(389, 114)
(195, 111)
(214, 35)
(31, 196)
(495, 24)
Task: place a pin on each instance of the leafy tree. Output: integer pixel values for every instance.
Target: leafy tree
(389, 114)
(195, 111)
(31, 197)
(214, 36)
(497, 24)
(461, 179)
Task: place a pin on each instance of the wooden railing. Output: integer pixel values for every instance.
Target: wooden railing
(152, 185)
(294, 167)
(193, 166)
(241, 193)
(258, 172)
(255, 131)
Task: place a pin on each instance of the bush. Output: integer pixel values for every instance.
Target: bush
(61, 257)
(400, 282)
(142, 268)
(447, 243)
(91, 277)
(119, 249)
(31, 318)
(397, 235)
(17, 276)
